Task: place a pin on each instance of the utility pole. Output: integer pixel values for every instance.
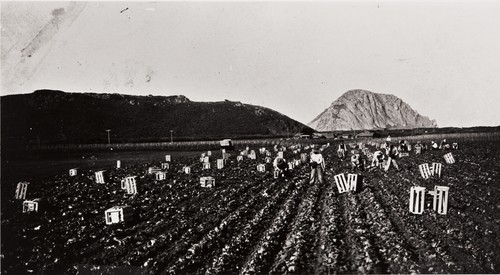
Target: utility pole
(171, 136)
(109, 140)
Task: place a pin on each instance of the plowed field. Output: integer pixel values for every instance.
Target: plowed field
(252, 223)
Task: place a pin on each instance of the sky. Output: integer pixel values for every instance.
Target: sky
(440, 57)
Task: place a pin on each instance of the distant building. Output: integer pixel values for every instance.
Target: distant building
(365, 134)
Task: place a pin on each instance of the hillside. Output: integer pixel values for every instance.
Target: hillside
(58, 117)
(365, 110)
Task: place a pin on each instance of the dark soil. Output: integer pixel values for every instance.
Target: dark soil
(253, 223)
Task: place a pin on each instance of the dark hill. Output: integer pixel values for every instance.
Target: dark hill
(58, 117)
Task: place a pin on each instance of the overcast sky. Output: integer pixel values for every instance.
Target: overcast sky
(441, 57)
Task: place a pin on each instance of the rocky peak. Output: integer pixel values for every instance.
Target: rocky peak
(363, 110)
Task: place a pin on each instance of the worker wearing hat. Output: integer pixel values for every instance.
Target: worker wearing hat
(317, 164)
(281, 165)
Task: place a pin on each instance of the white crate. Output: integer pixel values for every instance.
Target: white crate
(130, 185)
(22, 188)
(408, 147)
(220, 163)
(352, 182)
(440, 202)
(261, 167)
(208, 182)
(276, 173)
(449, 158)
(168, 158)
(239, 158)
(187, 170)
(209, 153)
(31, 205)
(132, 188)
(280, 154)
(341, 183)
(206, 165)
(73, 172)
(161, 176)
(417, 199)
(118, 164)
(100, 176)
(297, 162)
(425, 172)
(126, 181)
(118, 214)
(436, 169)
(291, 165)
(153, 170)
(165, 166)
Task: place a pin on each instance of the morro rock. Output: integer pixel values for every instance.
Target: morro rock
(365, 110)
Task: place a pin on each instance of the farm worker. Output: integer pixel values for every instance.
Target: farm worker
(434, 146)
(341, 150)
(402, 146)
(281, 165)
(392, 154)
(378, 157)
(357, 162)
(317, 164)
(444, 145)
(388, 139)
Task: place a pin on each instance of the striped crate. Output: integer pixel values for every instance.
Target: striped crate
(21, 189)
(118, 214)
(207, 182)
(436, 169)
(100, 176)
(341, 183)
(126, 181)
(220, 163)
(449, 158)
(161, 176)
(352, 182)
(417, 199)
(440, 202)
(31, 205)
(73, 172)
(425, 172)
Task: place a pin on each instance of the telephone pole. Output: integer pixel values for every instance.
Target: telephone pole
(109, 139)
(171, 136)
